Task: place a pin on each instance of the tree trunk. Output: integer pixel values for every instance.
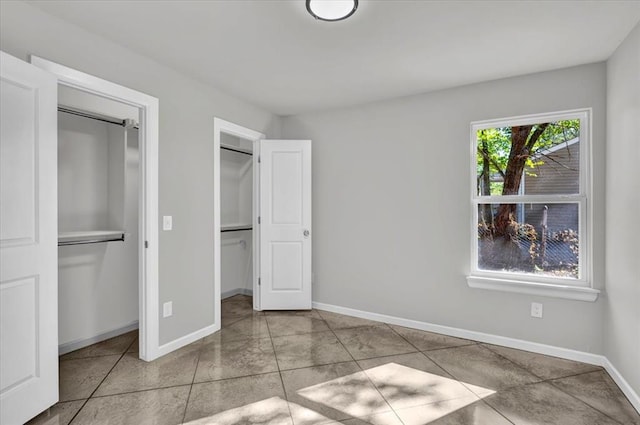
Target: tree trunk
(522, 142)
(506, 251)
(487, 216)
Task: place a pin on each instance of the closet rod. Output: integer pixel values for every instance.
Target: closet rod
(103, 118)
(90, 241)
(236, 230)
(228, 148)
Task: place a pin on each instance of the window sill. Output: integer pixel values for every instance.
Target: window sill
(531, 288)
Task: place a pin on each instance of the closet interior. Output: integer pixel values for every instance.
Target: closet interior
(236, 215)
(98, 165)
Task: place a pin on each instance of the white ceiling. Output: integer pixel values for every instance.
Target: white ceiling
(273, 54)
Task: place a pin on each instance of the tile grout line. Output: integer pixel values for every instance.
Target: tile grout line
(582, 401)
(438, 365)
(425, 353)
(507, 389)
(492, 407)
(195, 370)
(514, 362)
(275, 354)
(540, 377)
(463, 383)
(316, 365)
(405, 339)
(446, 371)
(133, 392)
(452, 346)
(365, 373)
(496, 410)
(549, 380)
(101, 382)
(454, 375)
(573, 375)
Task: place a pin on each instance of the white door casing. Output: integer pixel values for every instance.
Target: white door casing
(221, 126)
(28, 241)
(285, 224)
(148, 241)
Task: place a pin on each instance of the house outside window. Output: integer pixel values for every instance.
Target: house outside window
(530, 200)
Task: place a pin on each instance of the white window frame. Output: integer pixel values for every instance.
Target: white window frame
(526, 283)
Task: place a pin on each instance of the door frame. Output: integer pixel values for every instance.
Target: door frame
(221, 126)
(148, 241)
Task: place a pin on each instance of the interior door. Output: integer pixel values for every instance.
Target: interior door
(28, 241)
(285, 224)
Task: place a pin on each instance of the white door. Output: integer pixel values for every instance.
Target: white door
(285, 224)
(28, 241)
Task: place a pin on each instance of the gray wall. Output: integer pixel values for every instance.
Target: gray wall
(391, 206)
(187, 108)
(391, 195)
(622, 313)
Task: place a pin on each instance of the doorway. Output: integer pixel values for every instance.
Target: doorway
(236, 236)
(274, 215)
(102, 92)
(98, 161)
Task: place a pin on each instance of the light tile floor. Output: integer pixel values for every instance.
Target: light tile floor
(315, 367)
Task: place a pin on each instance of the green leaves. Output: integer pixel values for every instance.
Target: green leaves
(494, 148)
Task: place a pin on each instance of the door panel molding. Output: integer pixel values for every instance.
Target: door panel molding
(29, 233)
(285, 229)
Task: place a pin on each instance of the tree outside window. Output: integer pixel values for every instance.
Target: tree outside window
(529, 196)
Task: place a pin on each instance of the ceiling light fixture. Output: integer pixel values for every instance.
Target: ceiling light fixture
(331, 10)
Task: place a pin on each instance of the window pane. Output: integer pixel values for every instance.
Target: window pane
(540, 238)
(533, 159)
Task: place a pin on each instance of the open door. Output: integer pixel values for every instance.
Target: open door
(28, 241)
(285, 224)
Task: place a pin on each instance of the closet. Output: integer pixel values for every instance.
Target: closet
(98, 167)
(236, 215)
(264, 211)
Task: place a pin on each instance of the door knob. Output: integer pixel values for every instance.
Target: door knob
(306, 233)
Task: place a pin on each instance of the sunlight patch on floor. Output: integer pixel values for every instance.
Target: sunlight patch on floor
(272, 411)
(417, 397)
(430, 395)
(423, 415)
(352, 394)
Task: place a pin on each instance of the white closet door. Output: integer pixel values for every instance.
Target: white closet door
(285, 224)
(28, 241)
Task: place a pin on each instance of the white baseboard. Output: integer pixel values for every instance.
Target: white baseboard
(85, 342)
(194, 336)
(186, 340)
(622, 383)
(549, 350)
(236, 291)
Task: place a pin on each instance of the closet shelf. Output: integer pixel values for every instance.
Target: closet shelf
(235, 227)
(236, 149)
(90, 236)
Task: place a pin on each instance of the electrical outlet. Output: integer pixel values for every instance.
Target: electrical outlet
(536, 310)
(167, 222)
(167, 309)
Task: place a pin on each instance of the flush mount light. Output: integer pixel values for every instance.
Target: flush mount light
(331, 10)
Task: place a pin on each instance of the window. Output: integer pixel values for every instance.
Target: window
(530, 193)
